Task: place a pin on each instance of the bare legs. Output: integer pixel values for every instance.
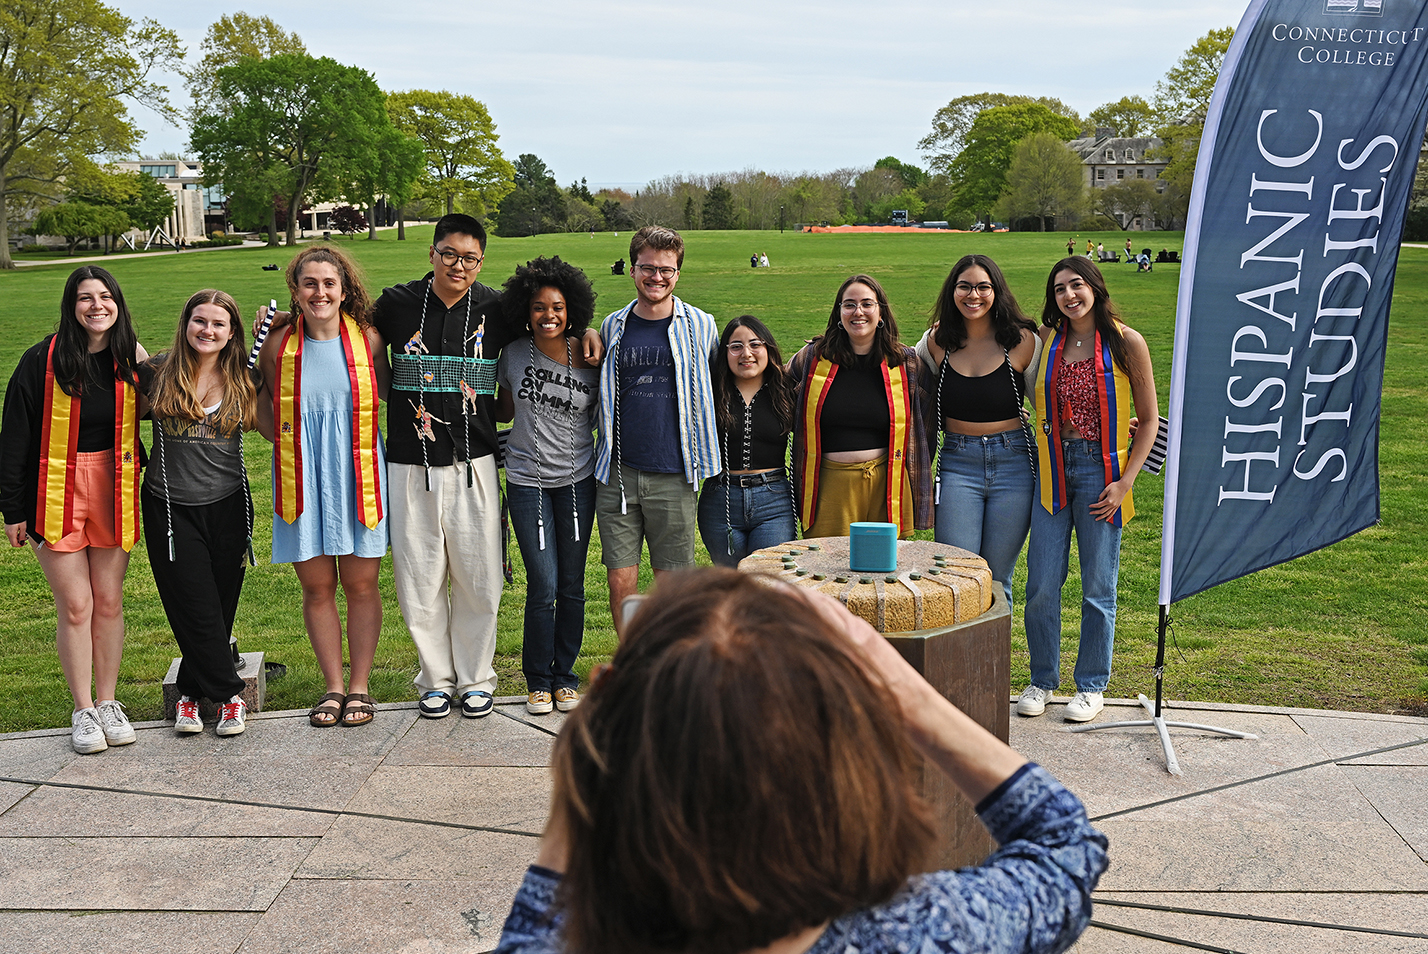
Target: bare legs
(320, 577)
(88, 587)
(624, 581)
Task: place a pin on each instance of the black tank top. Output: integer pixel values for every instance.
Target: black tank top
(991, 397)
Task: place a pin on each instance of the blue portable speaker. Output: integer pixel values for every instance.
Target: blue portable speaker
(872, 547)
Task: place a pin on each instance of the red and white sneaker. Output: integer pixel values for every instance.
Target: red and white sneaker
(231, 715)
(187, 721)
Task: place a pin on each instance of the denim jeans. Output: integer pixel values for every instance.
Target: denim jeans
(555, 578)
(1048, 558)
(984, 500)
(757, 516)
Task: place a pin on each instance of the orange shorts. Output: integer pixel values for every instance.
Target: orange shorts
(93, 504)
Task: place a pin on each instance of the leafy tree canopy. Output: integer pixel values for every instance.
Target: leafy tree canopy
(231, 39)
(536, 204)
(1128, 116)
(953, 122)
(1045, 181)
(1182, 99)
(76, 220)
(67, 67)
(979, 173)
(719, 211)
(464, 165)
(911, 175)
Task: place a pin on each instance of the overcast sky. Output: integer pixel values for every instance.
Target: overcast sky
(620, 93)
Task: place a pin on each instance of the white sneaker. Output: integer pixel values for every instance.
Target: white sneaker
(1085, 706)
(187, 720)
(87, 734)
(1032, 701)
(231, 715)
(117, 730)
(538, 702)
(566, 698)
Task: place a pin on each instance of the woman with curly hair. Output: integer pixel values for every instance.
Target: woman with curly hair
(69, 483)
(750, 505)
(323, 375)
(198, 512)
(859, 438)
(980, 347)
(552, 393)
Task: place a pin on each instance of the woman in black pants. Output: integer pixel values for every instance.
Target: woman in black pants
(198, 515)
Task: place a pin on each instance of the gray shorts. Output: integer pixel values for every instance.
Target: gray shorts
(660, 508)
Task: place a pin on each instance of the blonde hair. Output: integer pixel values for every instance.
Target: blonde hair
(175, 389)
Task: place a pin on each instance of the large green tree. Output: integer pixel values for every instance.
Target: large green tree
(719, 211)
(1044, 181)
(393, 175)
(536, 204)
(231, 39)
(464, 165)
(142, 198)
(953, 122)
(66, 70)
(293, 125)
(1182, 99)
(1122, 202)
(979, 173)
(1128, 116)
(77, 219)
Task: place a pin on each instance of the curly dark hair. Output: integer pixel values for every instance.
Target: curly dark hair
(551, 272)
(1007, 316)
(779, 382)
(1108, 319)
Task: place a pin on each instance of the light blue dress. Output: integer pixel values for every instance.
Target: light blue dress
(328, 524)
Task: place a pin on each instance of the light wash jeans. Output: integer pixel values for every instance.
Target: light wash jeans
(984, 504)
(554, 624)
(758, 517)
(1048, 559)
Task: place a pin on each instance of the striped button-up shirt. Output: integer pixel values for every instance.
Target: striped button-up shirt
(693, 337)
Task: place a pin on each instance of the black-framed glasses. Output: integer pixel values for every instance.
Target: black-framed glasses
(663, 271)
(851, 306)
(450, 258)
(966, 288)
(753, 347)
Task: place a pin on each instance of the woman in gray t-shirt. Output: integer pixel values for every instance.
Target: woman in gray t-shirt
(198, 515)
(550, 474)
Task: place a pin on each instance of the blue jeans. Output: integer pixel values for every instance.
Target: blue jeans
(555, 578)
(1048, 560)
(758, 517)
(984, 504)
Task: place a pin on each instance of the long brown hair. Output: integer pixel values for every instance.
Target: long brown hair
(734, 777)
(834, 343)
(779, 382)
(355, 300)
(1108, 319)
(175, 389)
(1006, 315)
(73, 369)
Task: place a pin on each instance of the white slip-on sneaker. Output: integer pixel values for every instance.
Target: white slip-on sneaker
(1032, 701)
(1085, 706)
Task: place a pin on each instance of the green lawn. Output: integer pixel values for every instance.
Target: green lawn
(1341, 628)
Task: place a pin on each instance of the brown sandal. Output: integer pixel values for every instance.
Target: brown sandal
(357, 710)
(323, 717)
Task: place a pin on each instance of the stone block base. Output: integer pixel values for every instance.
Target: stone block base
(255, 688)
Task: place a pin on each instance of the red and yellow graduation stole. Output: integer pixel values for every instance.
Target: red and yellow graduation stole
(1113, 393)
(895, 384)
(59, 442)
(287, 422)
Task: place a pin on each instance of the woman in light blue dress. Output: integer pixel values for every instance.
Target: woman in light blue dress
(323, 375)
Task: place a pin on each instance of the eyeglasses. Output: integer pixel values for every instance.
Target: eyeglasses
(663, 271)
(450, 258)
(966, 288)
(753, 347)
(852, 306)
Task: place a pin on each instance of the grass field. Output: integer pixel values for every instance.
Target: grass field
(1342, 628)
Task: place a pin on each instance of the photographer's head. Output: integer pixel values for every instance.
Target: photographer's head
(734, 777)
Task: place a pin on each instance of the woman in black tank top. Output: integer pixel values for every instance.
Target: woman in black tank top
(750, 505)
(981, 344)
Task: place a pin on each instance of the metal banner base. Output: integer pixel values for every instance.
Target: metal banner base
(1162, 727)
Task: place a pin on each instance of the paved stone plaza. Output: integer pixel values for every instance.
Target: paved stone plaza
(411, 835)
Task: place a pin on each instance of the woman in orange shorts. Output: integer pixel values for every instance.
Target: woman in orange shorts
(69, 481)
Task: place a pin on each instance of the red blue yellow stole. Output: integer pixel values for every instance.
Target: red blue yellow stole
(59, 441)
(287, 422)
(1117, 405)
(897, 385)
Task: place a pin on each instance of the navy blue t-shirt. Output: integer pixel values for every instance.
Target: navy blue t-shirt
(649, 406)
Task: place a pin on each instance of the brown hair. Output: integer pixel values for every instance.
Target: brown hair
(660, 239)
(834, 343)
(174, 392)
(1108, 320)
(355, 300)
(736, 776)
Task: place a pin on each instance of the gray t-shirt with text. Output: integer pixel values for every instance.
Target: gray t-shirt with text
(555, 417)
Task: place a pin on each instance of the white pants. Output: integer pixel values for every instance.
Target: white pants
(446, 560)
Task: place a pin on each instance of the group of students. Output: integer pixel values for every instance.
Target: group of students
(624, 424)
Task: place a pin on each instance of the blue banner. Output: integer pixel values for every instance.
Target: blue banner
(1301, 186)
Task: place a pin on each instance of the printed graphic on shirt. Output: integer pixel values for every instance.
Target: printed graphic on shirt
(423, 421)
(547, 388)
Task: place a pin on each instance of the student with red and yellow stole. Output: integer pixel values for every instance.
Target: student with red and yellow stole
(860, 439)
(322, 376)
(69, 481)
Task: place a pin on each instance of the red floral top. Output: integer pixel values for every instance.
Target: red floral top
(1077, 399)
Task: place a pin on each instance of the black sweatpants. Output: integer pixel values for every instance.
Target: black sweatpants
(200, 586)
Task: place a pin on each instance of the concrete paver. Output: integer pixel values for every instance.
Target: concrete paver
(412, 835)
